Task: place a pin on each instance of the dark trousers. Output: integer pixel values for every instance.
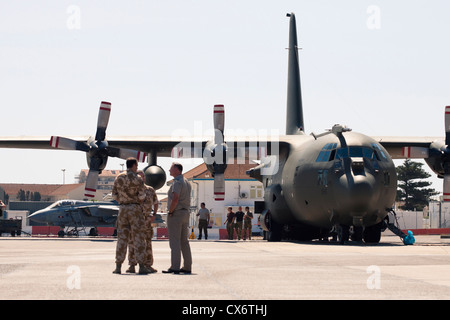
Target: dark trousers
(202, 226)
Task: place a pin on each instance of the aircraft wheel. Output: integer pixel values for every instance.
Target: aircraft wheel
(275, 230)
(372, 234)
(274, 235)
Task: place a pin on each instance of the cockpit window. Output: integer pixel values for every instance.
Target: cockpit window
(54, 205)
(378, 151)
(355, 152)
(61, 203)
(329, 153)
(360, 152)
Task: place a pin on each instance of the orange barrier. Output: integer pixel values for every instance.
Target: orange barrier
(44, 230)
(105, 231)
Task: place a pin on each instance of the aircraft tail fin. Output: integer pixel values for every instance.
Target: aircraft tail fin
(294, 114)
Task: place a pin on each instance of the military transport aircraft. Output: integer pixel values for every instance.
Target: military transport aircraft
(314, 184)
(76, 214)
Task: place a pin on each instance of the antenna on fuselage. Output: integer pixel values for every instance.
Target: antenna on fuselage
(294, 110)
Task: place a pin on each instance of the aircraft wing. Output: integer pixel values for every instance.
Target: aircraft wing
(407, 147)
(28, 142)
(103, 212)
(188, 147)
(162, 145)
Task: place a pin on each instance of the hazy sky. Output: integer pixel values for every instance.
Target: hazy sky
(380, 67)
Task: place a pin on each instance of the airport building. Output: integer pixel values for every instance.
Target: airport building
(40, 192)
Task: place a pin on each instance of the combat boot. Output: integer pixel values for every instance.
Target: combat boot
(118, 268)
(131, 269)
(143, 269)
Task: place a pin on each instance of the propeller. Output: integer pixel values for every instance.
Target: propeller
(214, 154)
(446, 156)
(219, 153)
(439, 157)
(97, 149)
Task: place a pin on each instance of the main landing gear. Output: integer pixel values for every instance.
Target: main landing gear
(343, 233)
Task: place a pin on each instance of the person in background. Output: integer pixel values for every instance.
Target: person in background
(239, 220)
(203, 221)
(230, 223)
(248, 216)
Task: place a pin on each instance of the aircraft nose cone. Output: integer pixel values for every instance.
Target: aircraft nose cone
(356, 193)
(362, 189)
(38, 216)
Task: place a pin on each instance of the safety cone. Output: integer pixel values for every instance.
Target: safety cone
(192, 236)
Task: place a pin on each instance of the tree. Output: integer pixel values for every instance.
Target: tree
(411, 190)
(23, 195)
(36, 196)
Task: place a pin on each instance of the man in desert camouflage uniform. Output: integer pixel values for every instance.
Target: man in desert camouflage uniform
(129, 192)
(150, 203)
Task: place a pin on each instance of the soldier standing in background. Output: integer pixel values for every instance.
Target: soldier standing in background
(248, 216)
(150, 203)
(238, 223)
(129, 192)
(230, 223)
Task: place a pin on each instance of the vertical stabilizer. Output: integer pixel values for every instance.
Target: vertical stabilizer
(294, 112)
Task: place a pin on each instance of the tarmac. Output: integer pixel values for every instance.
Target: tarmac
(81, 269)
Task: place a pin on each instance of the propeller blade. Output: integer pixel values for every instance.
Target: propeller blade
(103, 119)
(91, 183)
(446, 188)
(447, 125)
(219, 123)
(68, 144)
(126, 153)
(219, 187)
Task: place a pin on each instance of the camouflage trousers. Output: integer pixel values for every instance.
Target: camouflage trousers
(247, 226)
(238, 227)
(148, 231)
(130, 221)
(230, 230)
